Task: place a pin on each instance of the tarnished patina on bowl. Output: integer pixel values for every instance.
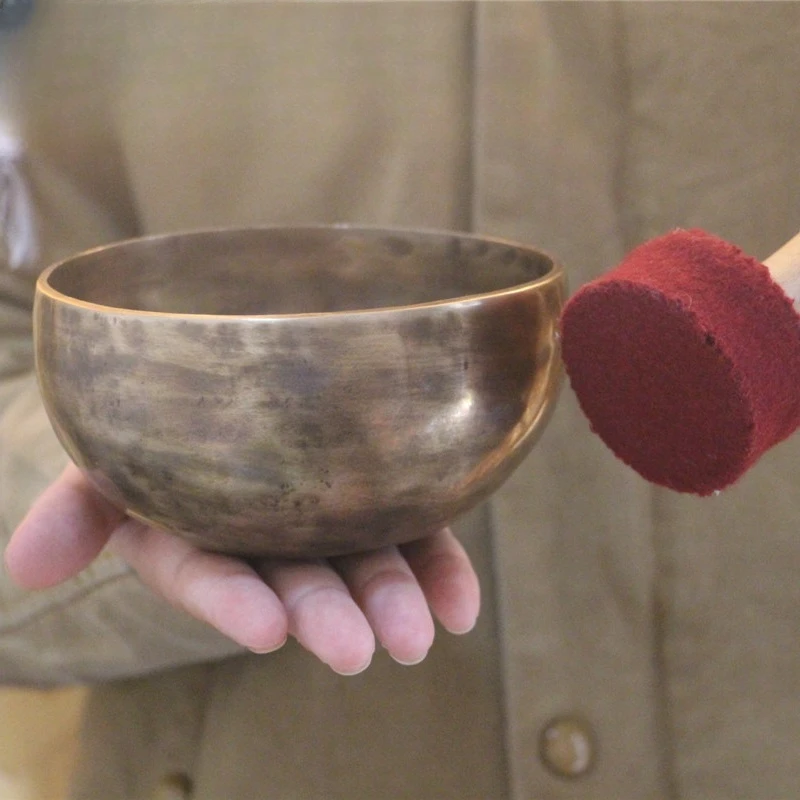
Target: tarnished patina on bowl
(304, 391)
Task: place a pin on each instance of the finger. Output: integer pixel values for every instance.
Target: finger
(323, 616)
(445, 573)
(65, 529)
(221, 591)
(383, 584)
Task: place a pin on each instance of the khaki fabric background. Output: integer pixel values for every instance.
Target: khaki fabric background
(38, 742)
(668, 623)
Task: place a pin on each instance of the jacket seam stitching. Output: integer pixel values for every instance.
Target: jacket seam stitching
(20, 617)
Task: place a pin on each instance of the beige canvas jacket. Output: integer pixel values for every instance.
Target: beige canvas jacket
(644, 641)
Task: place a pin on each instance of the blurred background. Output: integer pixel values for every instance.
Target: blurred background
(38, 741)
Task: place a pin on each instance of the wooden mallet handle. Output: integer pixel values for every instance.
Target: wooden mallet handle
(784, 267)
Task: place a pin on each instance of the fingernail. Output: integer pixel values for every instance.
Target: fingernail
(262, 651)
(461, 631)
(350, 673)
(406, 662)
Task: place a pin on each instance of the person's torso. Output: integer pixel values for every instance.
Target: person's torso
(636, 625)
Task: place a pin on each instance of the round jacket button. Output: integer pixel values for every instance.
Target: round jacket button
(177, 786)
(14, 12)
(567, 747)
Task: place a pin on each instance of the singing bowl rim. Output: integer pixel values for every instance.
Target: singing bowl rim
(554, 273)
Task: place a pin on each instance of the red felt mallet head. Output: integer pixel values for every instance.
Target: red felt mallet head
(686, 358)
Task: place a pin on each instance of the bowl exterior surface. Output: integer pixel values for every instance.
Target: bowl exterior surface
(305, 435)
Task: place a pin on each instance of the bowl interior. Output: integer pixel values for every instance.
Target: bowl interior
(270, 271)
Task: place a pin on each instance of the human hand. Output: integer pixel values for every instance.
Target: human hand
(335, 608)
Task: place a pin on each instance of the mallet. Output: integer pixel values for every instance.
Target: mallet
(686, 357)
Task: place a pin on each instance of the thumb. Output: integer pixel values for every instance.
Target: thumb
(65, 529)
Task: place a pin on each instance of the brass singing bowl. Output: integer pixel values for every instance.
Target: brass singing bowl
(299, 392)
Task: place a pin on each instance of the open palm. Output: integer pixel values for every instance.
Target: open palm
(336, 608)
